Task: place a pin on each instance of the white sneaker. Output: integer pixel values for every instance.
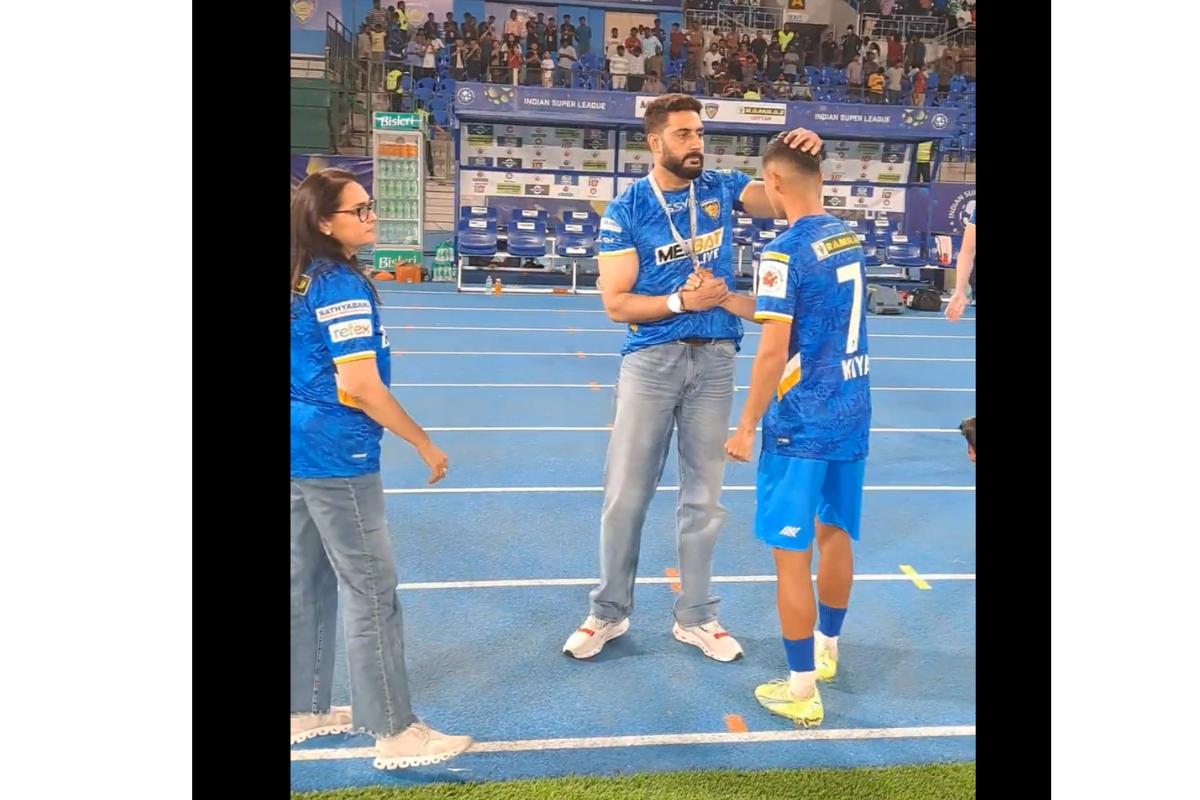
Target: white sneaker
(418, 745)
(711, 638)
(307, 726)
(591, 636)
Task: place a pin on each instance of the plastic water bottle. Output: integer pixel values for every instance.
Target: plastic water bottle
(487, 286)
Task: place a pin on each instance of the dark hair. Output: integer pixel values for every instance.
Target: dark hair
(317, 197)
(802, 162)
(967, 426)
(658, 109)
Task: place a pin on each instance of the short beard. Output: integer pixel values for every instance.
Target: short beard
(676, 167)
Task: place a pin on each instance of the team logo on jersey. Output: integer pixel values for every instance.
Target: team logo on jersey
(772, 279)
(834, 244)
(302, 284)
(712, 208)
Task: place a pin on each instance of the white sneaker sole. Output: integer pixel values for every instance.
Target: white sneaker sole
(404, 762)
(601, 638)
(682, 635)
(313, 733)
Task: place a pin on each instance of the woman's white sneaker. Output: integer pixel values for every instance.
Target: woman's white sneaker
(308, 726)
(418, 745)
(592, 635)
(712, 639)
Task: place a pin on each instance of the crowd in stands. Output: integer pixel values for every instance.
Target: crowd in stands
(540, 51)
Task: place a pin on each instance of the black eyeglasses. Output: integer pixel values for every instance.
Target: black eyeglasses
(363, 211)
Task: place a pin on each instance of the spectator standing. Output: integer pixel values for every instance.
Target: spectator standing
(915, 55)
(919, 81)
(651, 47)
(678, 43)
(850, 44)
(566, 63)
(583, 38)
(619, 67)
(791, 64)
(711, 58)
(636, 60)
(513, 26)
(854, 75)
(875, 86)
(828, 49)
(894, 77)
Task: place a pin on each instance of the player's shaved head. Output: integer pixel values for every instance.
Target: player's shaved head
(783, 156)
(792, 178)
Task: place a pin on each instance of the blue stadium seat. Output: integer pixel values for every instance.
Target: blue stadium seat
(744, 231)
(904, 253)
(873, 255)
(574, 240)
(527, 238)
(477, 236)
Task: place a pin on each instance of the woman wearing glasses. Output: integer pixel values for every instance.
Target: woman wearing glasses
(341, 403)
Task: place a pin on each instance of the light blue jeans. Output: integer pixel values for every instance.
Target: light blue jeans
(659, 388)
(340, 536)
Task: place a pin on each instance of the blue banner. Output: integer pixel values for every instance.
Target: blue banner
(496, 100)
(875, 121)
(482, 101)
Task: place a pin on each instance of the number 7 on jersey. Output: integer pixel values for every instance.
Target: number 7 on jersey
(853, 272)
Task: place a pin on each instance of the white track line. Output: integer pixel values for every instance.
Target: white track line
(599, 428)
(597, 742)
(550, 310)
(533, 583)
(619, 330)
(588, 489)
(398, 353)
(611, 385)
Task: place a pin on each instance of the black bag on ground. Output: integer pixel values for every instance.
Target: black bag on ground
(925, 300)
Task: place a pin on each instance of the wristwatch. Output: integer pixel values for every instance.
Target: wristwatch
(675, 303)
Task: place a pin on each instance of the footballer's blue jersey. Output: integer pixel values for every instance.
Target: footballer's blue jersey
(334, 321)
(635, 222)
(812, 275)
(972, 216)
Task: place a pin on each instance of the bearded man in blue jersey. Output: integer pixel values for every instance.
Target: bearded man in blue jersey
(811, 379)
(677, 368)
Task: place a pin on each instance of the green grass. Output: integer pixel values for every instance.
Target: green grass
(931, 782)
